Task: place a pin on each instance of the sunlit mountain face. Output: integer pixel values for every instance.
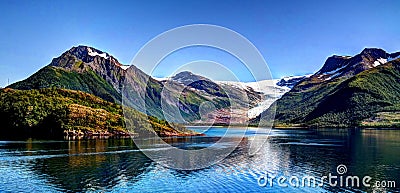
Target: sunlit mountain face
(346, 91)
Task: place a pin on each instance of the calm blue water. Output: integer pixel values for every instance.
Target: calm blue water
(116, 165)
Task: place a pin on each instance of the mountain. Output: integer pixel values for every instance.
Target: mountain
(199, 83)
(80, 68)
(53, 113)
(221, 103)
(251, 98)
(346, 66)
(346, 91)
(269, 90)
(96, 72)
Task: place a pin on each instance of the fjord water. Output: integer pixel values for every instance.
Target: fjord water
(117, 165)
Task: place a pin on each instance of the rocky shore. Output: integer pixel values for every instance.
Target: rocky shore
(77, 134)
(99, 134)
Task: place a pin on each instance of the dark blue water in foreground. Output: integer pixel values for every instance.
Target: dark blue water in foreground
(116, 165)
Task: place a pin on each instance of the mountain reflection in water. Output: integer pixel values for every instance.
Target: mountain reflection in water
(118, 165)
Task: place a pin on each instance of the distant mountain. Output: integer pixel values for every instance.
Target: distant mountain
(260, 95)
(199, 83)
(268, 89)
(222, 96)
(345, 92)
(187, 77)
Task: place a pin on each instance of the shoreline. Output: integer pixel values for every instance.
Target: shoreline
(300, 127)
(126, 135)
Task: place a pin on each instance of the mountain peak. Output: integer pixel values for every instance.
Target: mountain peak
(375, 51)
(332, 63)
(88, 54)
(187, 77)
(185, 73)
(82, 59)
(346, 65)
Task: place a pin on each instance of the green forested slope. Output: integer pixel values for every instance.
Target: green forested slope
(50, 112)
(343, 102)
(87, 81)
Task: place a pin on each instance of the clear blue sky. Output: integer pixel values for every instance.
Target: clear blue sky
(295, 37)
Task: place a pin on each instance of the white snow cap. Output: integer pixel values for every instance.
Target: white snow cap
(124, 67)
(94, 53)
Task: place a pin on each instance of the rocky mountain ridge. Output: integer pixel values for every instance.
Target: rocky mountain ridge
(344, 92)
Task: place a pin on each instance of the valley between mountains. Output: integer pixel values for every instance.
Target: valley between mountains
(81, 91)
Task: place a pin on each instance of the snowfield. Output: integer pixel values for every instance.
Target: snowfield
(270, 90)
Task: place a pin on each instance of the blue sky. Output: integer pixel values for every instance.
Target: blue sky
(295, 37)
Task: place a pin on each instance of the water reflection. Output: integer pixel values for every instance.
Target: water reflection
(117, 165)
(94, 165)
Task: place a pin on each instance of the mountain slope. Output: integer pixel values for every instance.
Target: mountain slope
(360, 97)
(80, 68)
(90, 70)
(51, 112)
(87, 81)
(199, 83)
(93, 71)
(343, 93)
(211, 102)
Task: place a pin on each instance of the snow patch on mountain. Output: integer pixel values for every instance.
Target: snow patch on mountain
(291, 81)
(162, 78)
(332, 74)
(94, 53)
(334, 71)
(124, 67)
(288, 78)
(379, 61)
(269, 88)
(261, 107)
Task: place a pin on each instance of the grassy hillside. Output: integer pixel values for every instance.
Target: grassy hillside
(360, 97)
(343, 102)
(50, 112)
(90, 82)
(87, 81)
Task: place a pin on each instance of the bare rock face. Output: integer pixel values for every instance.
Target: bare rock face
(347, 66)
(84, 58)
